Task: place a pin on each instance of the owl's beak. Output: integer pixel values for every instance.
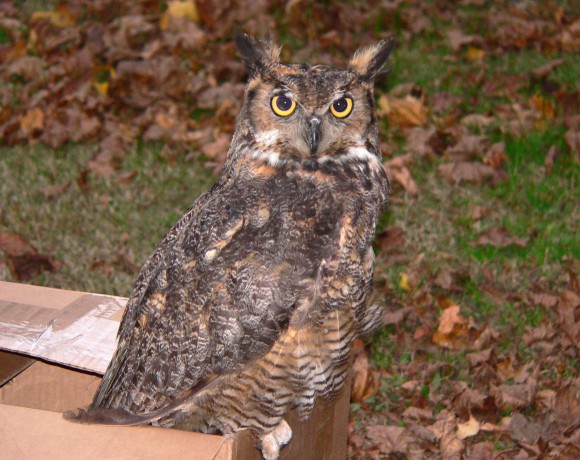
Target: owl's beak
(313, 134)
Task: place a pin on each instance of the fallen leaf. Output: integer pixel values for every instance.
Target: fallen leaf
(467, 148)
(186, 9)
(404, 282)
(545, 69)
(406, 112)
(572, 138)
(32, 121)
(553, 152)
(391, 440)
(478, 212)
(457, 172)
(444, 278)
(474, 53)
(218, 149)
(470, 400)
(450, 446)
(452, 328)
(417, 413)
(522, 430)
(456, 39)
(477, 358)
(517, 396)
(125, 178)
(397, 316)
(543, 106)
(498, 237)
(52, 191)
(403, 177)
(477, 120)
(482, 451)
(496, 156)
(61, 16)
(23, 259)
(107, 158)
(391, 239)
(365, 382)
(27, 67)
(543, 299)
(468, 429)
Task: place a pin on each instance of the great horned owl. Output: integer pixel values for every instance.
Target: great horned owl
(247, 308)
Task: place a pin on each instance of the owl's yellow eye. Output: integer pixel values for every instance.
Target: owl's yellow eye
(342, 107)
(283, 106)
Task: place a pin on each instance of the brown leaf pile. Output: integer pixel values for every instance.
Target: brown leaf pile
(436, 414)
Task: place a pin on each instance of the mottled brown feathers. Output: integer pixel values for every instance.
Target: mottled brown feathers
(247, 308)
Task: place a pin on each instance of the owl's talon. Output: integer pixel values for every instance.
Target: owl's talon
(283, 433)
(275, 439)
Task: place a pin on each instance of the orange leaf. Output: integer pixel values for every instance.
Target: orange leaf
(32, 120)
(452, 328)
(407, 111)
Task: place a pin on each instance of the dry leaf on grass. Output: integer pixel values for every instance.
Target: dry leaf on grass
(52, 191)
(499, 237)
(517, 396)
(465, 171)
(553, 152)
(477, 120)
(32, 121)
(468, 147)
(456, 39)
(391, 440)
(468, 429)
(391, 239)
(403, 177)
(125, 178)
(107, 159)
(23, 259)
(495, 155)
(543, 299)
(406, 112)
(572, 138)
(452, 329)
(478, 212)
(365, 382)
(218, 149)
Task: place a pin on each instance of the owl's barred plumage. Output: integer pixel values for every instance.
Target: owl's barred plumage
(247, 308)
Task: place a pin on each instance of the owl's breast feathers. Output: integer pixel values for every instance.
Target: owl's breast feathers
(266, 252)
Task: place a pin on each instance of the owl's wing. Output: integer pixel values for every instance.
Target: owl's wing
(219, 290)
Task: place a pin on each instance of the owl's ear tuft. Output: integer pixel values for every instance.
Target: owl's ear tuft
(369, 62)
(258, 55)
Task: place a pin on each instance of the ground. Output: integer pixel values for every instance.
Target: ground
(116, 115)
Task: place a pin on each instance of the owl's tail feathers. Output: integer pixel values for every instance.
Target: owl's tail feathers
(106, 416)
(183, 405)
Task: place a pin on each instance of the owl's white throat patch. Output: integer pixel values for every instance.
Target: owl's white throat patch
(269, 156)
(266, 140)
(353, 153)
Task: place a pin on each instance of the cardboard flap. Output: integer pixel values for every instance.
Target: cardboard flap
(66, 327)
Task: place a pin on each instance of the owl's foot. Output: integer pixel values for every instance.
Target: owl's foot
(275, 439)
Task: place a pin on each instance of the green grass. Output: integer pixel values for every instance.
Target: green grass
(110, 220)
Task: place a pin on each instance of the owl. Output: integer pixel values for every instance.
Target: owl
(247, 308)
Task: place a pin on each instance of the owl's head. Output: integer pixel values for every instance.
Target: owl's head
(302, 112)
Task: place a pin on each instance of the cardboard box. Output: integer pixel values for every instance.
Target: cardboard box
(57, 345)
